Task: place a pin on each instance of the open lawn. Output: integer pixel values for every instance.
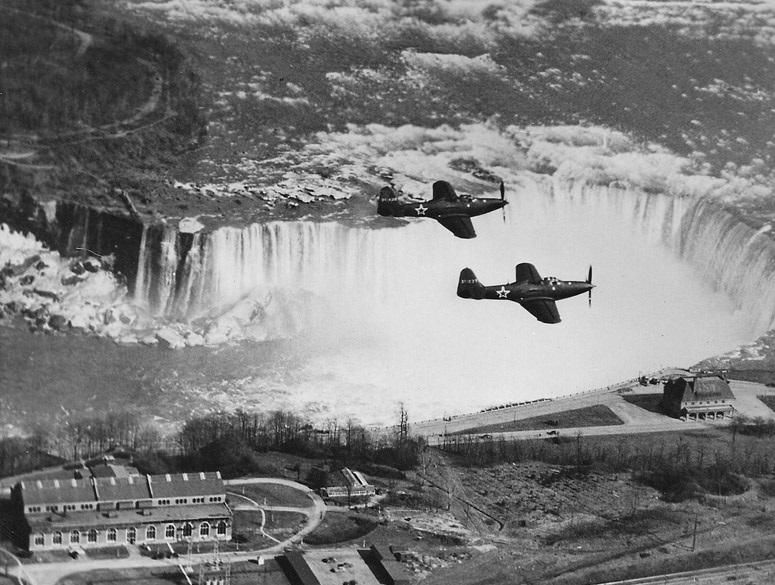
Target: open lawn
(650, 402)
(273, 495)
(590, 416)
(338, 527)
(280, 525)
(769, 401)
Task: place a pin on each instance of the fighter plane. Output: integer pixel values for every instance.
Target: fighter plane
(534, 293)
(450, 210)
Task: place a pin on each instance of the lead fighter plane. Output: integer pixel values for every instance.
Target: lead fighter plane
(450, 210)
(534, 293)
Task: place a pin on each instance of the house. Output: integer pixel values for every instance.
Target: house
(135, 509)
(345, 485)
(698, 397)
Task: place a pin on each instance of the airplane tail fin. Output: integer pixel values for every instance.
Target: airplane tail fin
(387, 202)
(468, 286)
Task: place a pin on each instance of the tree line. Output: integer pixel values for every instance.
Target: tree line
(680, 465)
(229, 442)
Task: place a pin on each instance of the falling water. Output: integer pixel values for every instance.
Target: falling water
(678, 279)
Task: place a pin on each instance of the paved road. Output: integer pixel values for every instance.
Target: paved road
(636, 420)
(50, 573)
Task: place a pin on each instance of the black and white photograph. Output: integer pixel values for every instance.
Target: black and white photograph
(251, 253)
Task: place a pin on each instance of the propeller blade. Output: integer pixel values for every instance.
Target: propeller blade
(503, 198)
(589, 281)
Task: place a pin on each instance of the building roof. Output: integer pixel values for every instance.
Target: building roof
(111, 489)
(398, 574)
(181, 485)
(394, 570)
(346, 477)
(122, 488)
(56, 491)
(133, 517)
(301, 568)
(334, 567)
(703, 388)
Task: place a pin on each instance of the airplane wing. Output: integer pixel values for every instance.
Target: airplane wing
(545, 310)
(526, 272)
(443, 191)
(460, 225)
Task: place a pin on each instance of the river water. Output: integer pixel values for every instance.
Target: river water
(406, 338)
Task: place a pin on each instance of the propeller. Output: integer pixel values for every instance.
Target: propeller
(503, 198)
(589, 281)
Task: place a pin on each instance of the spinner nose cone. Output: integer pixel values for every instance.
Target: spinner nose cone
(494, 204)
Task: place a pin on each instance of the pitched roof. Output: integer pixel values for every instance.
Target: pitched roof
(181, 485)
(57, 491)
(134, 487)
(704, 388)
(346, 477)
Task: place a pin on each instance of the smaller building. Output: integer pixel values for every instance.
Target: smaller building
(338, 566)
(345, 485)
(698, 397)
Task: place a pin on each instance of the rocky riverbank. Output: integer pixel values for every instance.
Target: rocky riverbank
(58, 295)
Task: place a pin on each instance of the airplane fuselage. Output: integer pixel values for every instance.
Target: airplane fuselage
(470, 206)
(548, 288)
(537, 295)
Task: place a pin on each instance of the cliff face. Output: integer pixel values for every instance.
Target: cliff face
(236, 281)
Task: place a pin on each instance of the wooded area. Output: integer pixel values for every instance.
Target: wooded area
(227, 442)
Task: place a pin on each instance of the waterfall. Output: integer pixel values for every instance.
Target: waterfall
(221, 267)
(736, 257)
(733, 256)
(185, 276)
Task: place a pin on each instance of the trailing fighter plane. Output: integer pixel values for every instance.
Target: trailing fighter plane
(450, 210)
(534, 293)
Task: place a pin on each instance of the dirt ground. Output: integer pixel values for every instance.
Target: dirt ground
(538, 523)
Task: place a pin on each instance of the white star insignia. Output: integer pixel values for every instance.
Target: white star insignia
(502, 293)
(420, 209)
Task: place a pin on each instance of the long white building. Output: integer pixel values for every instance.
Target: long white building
(139, 509)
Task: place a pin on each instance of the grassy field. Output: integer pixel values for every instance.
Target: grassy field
(339, 527)
(589, 416)
(273, 495)
(280, 525)
(769, 401)
(650, 402)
